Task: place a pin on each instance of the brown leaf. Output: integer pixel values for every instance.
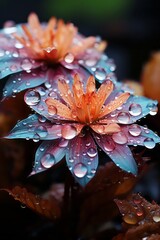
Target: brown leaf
(48, 208)
(140, 218)
(98, 207)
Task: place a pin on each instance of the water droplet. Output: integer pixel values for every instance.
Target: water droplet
(47, 85)
(52, 110)
(41, 91)
(48, 160)
(80, 170)
(41, 131)
(109, 146)
(49, 49)
(156, 218)
(135, 109)
(119, 138)
(90, 62)
(32, 97)
(18, 45)
(149, 143)
(123, 117)
(41, 149)
(137, 199)
(26, 64)
(13, 68)
(63, 143)
(69, 58)
(15, 54)
(134, 130)
(68, 132)
(52, 94)
(139, 213)
(130, 218)
(100, 74)
(42, 119)
(36, 137)
(153, 108)
(2, 53)
(91, 152)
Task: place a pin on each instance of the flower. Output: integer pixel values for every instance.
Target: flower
(81, 118)
(34, 53)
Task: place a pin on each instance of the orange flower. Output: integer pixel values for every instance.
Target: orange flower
(53, 42)
(87, 108)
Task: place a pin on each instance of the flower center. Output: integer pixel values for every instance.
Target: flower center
(85, 107)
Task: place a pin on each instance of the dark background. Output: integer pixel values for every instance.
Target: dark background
(131, 27)
(132, 30)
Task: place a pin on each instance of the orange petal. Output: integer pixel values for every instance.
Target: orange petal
(101, 46)
(66, 93)
(35, 25)
(84, 44)
(106, 129)
(77, 88)
(90, 85)
(59, 108)
(113, 105)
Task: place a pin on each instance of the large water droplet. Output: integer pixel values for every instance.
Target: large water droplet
(32, 97)
(130, 218)
(156, 218)
(26, 64)
(48, 160)
(109, 146)
(69, 58)
(134, 130)
(41, 131)
(100, 74)
(152, 108)
(80, 170)
(123, 117)
(91, 152)
(119, 138)
(68, 132)
(52, 110)
(149, 143)
(135, 109)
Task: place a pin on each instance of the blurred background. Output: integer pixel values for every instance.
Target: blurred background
(132, 31)
(131, 27)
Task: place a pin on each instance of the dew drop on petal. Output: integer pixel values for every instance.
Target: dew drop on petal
(130, 218)
(68, 132)
(134, 130)
(2, 52)
(123, 117)
(26, 64)
(32, 97)
(91, 152)
(135, 109)
(152, 108)
(69, 58)
(63, 143)
(100, 74)
(41, 131)
(156, 218)
(80, 170)
(52, 110)
(119, 138)
(90, 62)
(109, 146)
(48, 160)
(139, 213)
(149, 143)
(36, 137)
